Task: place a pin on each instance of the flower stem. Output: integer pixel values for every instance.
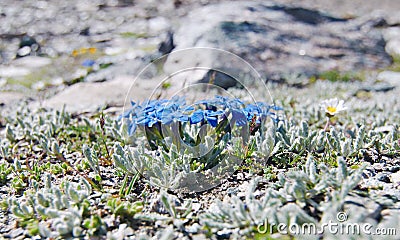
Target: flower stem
(328, 122)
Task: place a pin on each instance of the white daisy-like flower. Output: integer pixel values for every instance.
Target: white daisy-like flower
(333, 106)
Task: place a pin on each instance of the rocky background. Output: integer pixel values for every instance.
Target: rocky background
(72, 52)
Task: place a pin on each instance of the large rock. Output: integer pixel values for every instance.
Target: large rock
(9, 98)
(90, 97)
(93, 96)
(279, 40)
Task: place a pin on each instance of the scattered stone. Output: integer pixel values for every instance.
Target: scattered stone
(377, 87)
(28, 46)
(368, 172)
(392, 36)
(194, 228)
(16, 233)
(395, 177)
(383, 177)
(378, 166)
(220, 79)
(393, 78)
(168, 44)
(385, 129)
(394, 169)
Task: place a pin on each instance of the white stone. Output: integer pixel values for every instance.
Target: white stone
(390, 77)
(32, 62)
(8, 98)
(12, 71)
(158, 24)
(395, 177)
(391, 33)
(393, 47)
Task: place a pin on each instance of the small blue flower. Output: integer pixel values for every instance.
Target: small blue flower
(206, 111)
(197, 116)
(212, 116)
(206, 115)
(88, 63)
(239, 117)
(132, 127)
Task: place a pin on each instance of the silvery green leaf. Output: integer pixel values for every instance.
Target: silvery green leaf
(55, 148)
(71, 193)
(10, 135)
(359, 142)
(65, 201)
(276, 149)
(283, 139)
(320, 142)
(304, 129)
(119, 162)
(92, 158)
(76, 231)
(342, 169)
(51, 212)
(4, 149)
(44, 231)
(16, 210)
(62, 229)
(86, 184)
(296, 145)
(281, 179)
(346, 147)
(293, 137)
(42, 200)
(152, 217)
(311, 169)
(41, 210)
(168, 204)
(20, 122)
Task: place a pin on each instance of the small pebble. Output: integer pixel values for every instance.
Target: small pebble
(383, 177)
(16, 232)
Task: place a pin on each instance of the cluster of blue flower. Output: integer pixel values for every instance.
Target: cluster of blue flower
(157, 112)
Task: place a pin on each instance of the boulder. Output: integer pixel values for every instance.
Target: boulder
(279, 40)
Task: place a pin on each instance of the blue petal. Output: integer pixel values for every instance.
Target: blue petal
(214, 113)
(276, 108)
(213, 121)
(197, 117)
(239, 117)
(132, 128)
(183, 118)
(142, 121)
(166, 120)
(125, 114)
(187, 109)
(152, 122)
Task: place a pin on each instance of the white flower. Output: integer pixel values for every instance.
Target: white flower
(333, 106)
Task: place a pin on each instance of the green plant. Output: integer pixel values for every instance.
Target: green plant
(67, 208)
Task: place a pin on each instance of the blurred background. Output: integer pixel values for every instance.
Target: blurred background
(74, 52)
